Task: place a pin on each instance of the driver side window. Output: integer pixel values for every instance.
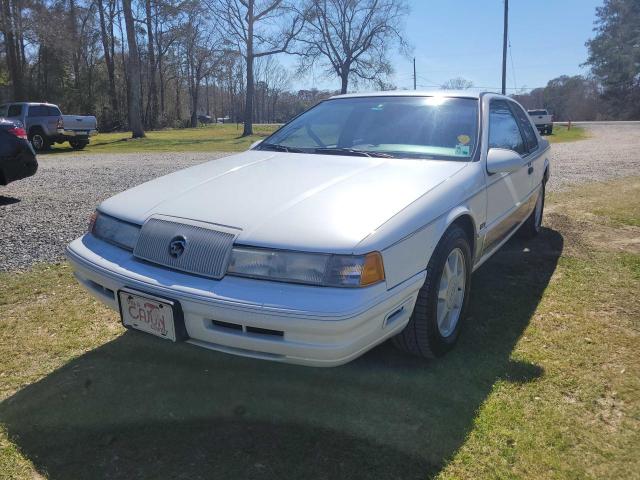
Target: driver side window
(503, 128)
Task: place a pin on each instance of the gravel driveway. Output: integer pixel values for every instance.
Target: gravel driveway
(41, 214)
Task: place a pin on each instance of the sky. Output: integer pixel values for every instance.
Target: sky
(463, 38)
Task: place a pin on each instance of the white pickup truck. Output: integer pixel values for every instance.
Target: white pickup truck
(46, 125)
(543, 121)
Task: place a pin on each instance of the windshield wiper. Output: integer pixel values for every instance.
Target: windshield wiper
(352, 151)
(279, 148)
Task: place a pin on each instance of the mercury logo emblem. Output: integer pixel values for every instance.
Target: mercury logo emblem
(177, 246)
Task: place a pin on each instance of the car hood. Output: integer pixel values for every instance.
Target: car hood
(307, 202)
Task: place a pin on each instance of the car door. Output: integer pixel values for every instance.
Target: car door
(535, 153)
(39, 115)
(507, 193)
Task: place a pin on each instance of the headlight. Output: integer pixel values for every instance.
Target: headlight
(112, 230)
(311, 268)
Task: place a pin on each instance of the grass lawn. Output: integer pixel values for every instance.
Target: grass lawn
(219, 138)
(562, 134)
(544, 383)
(211, 138)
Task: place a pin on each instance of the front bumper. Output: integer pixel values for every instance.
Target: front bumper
(316, 326)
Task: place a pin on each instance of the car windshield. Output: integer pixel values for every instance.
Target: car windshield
(537, 112)
(399, 127)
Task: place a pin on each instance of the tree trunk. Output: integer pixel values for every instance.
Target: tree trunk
(153, 87)
(344, 77)
(135, 114)
(12, 49)
(248, 105)
(108, 58)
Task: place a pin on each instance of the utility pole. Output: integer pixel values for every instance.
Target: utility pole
(414, 73)
(504, 47)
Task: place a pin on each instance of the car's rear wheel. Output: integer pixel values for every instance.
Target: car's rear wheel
(438, 315)
(533, 225)
(39, 141)
(78, 144)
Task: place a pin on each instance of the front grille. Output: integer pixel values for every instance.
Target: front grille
(206, 251)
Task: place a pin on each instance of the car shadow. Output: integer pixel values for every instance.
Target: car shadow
(8, 200)
(140, 407)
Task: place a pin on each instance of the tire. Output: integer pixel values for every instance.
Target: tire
(533, 225)
(77, 144)
(423, 336)
(39, 140)
(549, 130)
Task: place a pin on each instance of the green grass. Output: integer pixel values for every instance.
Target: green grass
(562, 134)
(219, 138)
(544, 383)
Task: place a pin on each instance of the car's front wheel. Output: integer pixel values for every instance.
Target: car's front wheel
(436, 320)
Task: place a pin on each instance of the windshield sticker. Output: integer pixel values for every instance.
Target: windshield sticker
(464, 139)
(462, 150)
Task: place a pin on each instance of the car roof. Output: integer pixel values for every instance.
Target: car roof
(417, 93)
(30, 103)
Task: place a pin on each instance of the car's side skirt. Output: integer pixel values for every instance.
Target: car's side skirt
(498, 234)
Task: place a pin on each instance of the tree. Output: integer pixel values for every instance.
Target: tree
(258, 28)
(10, 16)
(108, 45)
(133, 77)
(457, 83)
(351, 38)
(614, 56)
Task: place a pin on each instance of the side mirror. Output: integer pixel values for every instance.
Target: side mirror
(255, 144)
(503, 160)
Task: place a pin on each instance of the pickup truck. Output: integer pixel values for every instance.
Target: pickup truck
(543, 121)
(45, 124)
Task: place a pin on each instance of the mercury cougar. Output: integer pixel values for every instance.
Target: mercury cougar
(360, 220)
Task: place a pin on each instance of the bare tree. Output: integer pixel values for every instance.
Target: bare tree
(258, 28)
(133, 77)
(457, 83)
(351, 38)
(108, 45)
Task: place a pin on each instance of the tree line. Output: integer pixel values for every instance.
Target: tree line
(147, 64)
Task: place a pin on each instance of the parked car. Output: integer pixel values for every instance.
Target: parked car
(542, 120)
(360, 220)
(17, 158)
(45, 124)
(205, 119)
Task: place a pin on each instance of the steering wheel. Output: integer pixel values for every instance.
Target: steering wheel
(313, 136)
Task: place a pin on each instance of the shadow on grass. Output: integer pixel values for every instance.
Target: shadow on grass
(139, 407)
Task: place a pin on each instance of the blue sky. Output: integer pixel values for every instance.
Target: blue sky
(463, 38)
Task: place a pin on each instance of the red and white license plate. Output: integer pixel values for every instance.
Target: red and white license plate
(148, 314)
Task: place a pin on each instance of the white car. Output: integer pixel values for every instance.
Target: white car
(360, 220)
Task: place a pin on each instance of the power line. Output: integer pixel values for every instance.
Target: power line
(513, 66)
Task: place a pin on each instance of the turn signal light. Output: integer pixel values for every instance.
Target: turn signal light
(372, 270)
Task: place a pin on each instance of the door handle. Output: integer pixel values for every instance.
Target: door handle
(530, 170)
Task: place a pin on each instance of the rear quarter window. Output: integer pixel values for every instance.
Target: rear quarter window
(14, 111)
(524, 121)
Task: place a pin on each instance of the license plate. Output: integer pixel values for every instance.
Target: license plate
(148, 314)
